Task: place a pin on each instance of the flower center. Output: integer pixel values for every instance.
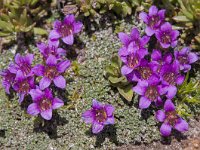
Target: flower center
(9, 77)
(153, 20)
(45, 104)
(66, 30)
(171, 117)
(166, 38)
(183, 59)
(53, 50)
(170, 78)
(152, 93)
(24, 86)
(101, 115)
(133, 61)
(145, 72)
(51, 72)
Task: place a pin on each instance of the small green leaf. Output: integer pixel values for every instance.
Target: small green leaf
(116, 62)
(115, 79)
(110, 70)
(6, 26)
(126, 92)
(2, 34)
(181, 19)
(40, 31)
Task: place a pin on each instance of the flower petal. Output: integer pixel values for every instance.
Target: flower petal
(96, 127)
(160, 115)
(88, 116)
(109, 110)
(47, 114)
(38, 70)
(57, 24)
(13, 68)
(77, 27)
(165, 129)
(124, 38)
(53, 43)
(192, 57)
(174, 43)
(19, 76)
(44, 83)
(57, 103)
(42, 47)
(68, 39)
(33, 109)
(186, 67)
(18, 58)
(140, 88)
(96, 104)
(169, 106)
(166, 27)
(36, 94)
(144, 40)
(29, 58)
(171, 91)
(153, 10)
(143, 16)
(54, 34)
(48, 93)
(126, 70)
(156, 55)
(164, 45)
(180, 79)
(60, 81)
(161, 13)
(21, 97)
(62, 66)
(174, 34)
(149, 31)
(168, 58)
(6, 86)
(181, 125)
(135, 34)
(110, 120)
(51, 60)
(69, 19)
(61, 52)
(144, 103)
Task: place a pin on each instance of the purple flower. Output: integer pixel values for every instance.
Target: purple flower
(51, 48)
(170, 119)
(150, 91)
(145, 71)
(66, 29)
(158, 60)
(166, 36)
(99, 116)
(134, 41)
(43, 103)
(170, 77)
(7, 79)
(131, 60)
(185, 58)
(52, 72)
(23, 85)
(22, 63)
(153, 20)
